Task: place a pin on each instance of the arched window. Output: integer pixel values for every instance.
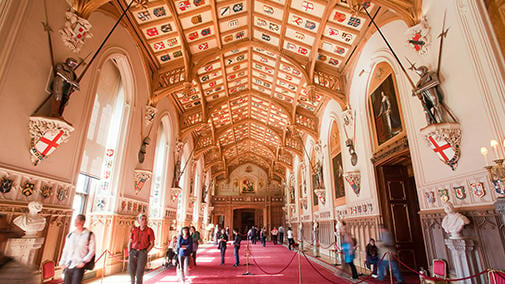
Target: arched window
(104, 145)
(159, 184)
(336, 164)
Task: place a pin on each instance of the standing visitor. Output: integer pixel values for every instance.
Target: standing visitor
(274, 233)
(195, 235)
(216, 232)
(386, 244)
(228, 231)
(140, 243)
(349, 249)
(184, 247)
(263, 236)
(281, 234)
(372, 258)
(291, 240)
(253, 235)
(236, 247)
(171, 253)
(79, 250)
(222, 239)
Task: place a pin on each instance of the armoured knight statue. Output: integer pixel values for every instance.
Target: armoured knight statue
(427, 90)
(64, 84)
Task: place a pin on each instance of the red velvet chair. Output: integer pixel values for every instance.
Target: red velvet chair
(48, 273)
(125, 258)
(439, 271)
(496, 277)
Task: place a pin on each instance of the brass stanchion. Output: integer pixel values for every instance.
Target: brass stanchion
(390, 271)
(299, 267)
(103, 267)
(247, 260)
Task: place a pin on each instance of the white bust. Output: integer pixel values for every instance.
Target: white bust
(31, 222)
(453, 222)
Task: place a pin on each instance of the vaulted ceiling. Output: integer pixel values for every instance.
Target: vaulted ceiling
(249, 77)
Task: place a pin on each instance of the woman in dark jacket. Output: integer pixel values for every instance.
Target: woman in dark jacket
(236, 247)
(184, 249)
(372, 258)
(222, 238)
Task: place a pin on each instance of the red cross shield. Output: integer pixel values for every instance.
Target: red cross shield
(443, 149)
(49, 142)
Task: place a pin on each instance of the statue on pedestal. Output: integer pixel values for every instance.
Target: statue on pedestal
(31, 222)
(453, 222)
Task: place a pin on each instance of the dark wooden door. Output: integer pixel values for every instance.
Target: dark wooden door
(399, 204)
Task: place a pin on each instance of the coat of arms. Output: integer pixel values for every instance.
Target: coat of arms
(74, 32)
(28, 189)
(62, 194)
(478, 189)
(444, 139)
(354, 180)
(419, 37)
(443, 194)
(46, 191)
(47, 134)
(430, 197)
(6, 185)
(141, 177)
(499, 186)
(460, 192)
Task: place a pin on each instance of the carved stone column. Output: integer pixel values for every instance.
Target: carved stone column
(464, 258)
(499, 206)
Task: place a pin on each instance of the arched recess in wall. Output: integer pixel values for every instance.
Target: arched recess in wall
(160, 182)
(336, 164)
(384, 107)
(104, 147)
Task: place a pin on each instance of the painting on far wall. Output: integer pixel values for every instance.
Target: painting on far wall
(247, 186)
(338, 175)
(386, 114)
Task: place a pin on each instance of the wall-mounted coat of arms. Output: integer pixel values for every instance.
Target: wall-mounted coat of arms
(46, 135)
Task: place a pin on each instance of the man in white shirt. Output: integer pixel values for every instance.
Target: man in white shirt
(291, 241)
(79, 249)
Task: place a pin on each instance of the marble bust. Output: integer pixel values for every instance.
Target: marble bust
(453, 222)
(31, 222)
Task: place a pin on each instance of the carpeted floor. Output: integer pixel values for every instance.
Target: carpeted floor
(271, 259)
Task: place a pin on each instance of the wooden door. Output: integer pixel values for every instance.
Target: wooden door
(399, 206)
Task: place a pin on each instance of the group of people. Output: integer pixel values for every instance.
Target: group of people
(376, 259)
(254, 234)
(79, 250)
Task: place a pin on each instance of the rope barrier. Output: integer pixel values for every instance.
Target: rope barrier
(271, 273)
(436, 278)
(320, 274)
(103, 253)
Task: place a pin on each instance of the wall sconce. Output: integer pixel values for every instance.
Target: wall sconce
(496, 171)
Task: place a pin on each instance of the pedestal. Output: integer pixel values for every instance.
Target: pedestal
(499, 206)
(315, 247)
(464, 258)
(24, 249)
(315, 250)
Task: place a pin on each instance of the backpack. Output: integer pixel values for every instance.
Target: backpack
(90, 265)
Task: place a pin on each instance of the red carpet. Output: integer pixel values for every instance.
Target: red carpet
(271, 259)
